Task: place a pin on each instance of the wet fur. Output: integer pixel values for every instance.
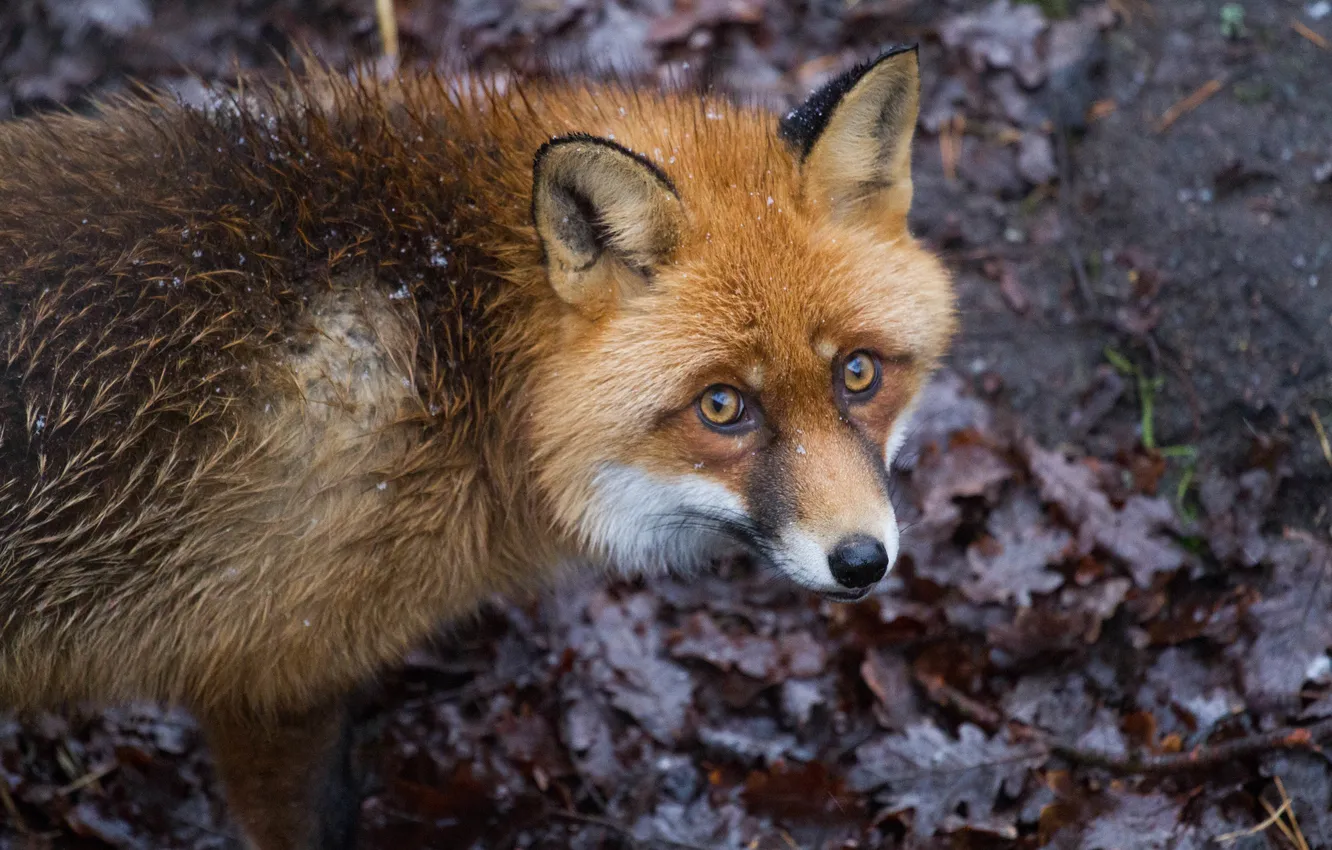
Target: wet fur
(284, 384)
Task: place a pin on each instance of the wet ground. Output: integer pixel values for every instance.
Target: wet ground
(1119, 498)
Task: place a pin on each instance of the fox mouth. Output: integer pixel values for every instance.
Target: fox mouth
(762, 549)
(846, 595)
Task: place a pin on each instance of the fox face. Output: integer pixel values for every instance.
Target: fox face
(746, 325)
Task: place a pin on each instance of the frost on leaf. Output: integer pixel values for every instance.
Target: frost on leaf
(1136, 534)
(1141, 822)
(1015, 562)
(948, 783)
(649, 688)
(1293, 622)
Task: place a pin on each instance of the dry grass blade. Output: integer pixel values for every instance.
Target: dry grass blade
(8, 802)
(1287, 825)
(950, 145)
(88, 779)
(1185, 106)
(1254, 830)
(1322, 436)
(388, 27)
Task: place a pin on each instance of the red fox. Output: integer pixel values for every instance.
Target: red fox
(289, 382)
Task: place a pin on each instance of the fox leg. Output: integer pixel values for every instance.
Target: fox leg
(288, 779)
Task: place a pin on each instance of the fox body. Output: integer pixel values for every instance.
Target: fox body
(286, 384)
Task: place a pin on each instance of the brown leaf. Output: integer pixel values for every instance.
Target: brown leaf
(886, 674)
(1133, 533)
(1016, 562)
(808, 791)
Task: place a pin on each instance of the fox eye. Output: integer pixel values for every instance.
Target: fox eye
(860, 373)
(721, 406)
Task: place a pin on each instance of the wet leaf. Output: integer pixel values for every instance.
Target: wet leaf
(1135, 533)
(1002, 36)
(1015, 562)
(934, 775)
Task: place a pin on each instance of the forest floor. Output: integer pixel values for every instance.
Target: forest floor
(1111, 621)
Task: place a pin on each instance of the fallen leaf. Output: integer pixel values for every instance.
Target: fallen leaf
(1134, 534)
(926, 771)
(1140, 822)
(1016, 562)
(1293, 621)
(1000, 36)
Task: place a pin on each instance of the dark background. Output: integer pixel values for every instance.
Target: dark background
(1118, 495)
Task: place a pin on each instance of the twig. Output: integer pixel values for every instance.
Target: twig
(1322, 436)
(1287, 738)
(1303, 29)
(1188, 104)
(621, 830)
(1064, 161)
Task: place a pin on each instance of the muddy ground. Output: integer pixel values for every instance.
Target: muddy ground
(1118, 498)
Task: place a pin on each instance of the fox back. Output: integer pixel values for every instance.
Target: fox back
(287, 382)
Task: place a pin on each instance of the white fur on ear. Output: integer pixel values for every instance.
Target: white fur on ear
(603, 213)
(853, 137)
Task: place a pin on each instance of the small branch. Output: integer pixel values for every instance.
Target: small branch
(1287, 738)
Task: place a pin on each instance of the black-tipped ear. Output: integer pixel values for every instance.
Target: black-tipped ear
(601, 211)
(853, 135)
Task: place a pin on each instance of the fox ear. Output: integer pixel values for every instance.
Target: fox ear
(600, 209)
(853, 137)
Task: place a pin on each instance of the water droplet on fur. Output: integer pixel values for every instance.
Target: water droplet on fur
(400, 293)
(800, 450)
(383, 485)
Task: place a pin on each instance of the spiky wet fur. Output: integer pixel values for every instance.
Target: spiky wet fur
(284, 383)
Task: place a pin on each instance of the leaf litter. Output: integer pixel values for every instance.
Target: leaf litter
(1045, 602)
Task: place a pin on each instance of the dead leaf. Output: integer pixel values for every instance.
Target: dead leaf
(1002, 36)
(934, 775)
(1133, 534)
(1015, 563)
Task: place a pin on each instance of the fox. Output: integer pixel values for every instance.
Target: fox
(290, 380)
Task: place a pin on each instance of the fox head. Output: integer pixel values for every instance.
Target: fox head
(746, 323)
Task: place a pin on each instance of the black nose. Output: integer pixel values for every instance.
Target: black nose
(858, 562)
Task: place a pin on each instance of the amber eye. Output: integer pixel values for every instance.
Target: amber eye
(860, 373)
(721, 405)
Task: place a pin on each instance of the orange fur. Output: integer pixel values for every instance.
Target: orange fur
(285, 385)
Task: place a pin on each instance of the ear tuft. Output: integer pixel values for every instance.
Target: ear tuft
(853, 138)
(599, 208)
(801, 127)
